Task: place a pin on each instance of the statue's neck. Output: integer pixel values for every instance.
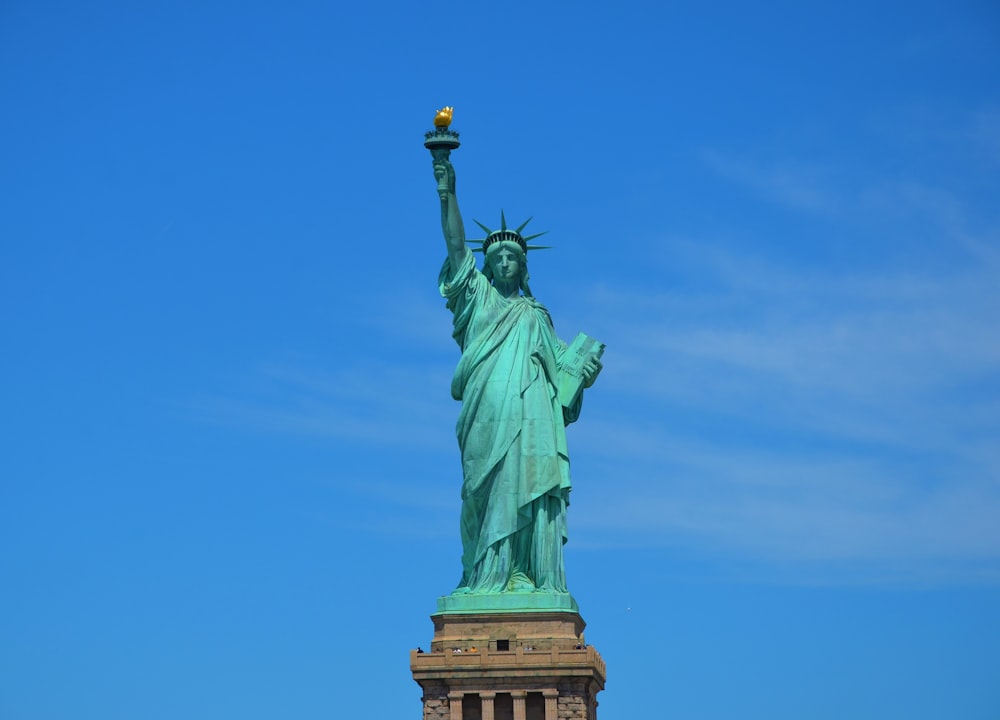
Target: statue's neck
(508, 289)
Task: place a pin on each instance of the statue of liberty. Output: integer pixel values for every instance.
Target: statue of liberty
(511, 381)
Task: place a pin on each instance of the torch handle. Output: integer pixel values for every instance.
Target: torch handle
(441, 155)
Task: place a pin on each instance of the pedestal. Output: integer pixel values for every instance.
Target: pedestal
(509, 666)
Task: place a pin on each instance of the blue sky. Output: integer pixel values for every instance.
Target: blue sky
(230, 480)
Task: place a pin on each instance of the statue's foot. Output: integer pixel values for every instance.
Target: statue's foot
(520, 583)
(551, 590)
(461, 591)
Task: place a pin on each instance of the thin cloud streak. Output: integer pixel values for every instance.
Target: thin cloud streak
(891, 348)
(791, 184)
(378, 405)
(874, 400)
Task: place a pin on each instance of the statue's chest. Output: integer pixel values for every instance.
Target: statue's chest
(507, 321)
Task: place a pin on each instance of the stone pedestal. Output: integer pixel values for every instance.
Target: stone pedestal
(509, 666)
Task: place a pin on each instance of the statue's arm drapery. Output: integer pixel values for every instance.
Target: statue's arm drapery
(464, 288)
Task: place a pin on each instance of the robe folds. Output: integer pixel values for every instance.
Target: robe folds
(512, 435)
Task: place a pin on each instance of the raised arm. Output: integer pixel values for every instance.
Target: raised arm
(451, 218)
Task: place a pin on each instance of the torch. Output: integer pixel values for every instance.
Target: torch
(441, 141)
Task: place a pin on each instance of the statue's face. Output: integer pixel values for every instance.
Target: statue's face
(506, 264)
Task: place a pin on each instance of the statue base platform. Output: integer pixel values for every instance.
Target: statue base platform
(509, 666)
(519, 602)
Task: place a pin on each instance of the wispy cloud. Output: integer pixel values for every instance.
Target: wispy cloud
(985, 132)
(375, 403)
(810, 417)
(791, 184)
(796, 506)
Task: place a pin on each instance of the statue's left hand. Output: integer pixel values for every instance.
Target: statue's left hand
(591, 369)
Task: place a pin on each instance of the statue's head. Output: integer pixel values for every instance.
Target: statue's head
(507, 259)
(506, 245)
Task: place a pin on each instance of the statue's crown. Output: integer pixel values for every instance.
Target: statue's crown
(504, 234)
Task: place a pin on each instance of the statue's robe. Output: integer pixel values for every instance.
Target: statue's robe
(512, 434)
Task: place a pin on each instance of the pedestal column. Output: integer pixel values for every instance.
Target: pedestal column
(551, 704)
(520, 708)
(487, 698)
(455, 703)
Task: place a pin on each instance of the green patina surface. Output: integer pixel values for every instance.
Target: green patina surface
(507, 602)
(512, 425)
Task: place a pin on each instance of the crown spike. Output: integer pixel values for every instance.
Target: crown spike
(522, 225)
(485, 229)
(503, 221)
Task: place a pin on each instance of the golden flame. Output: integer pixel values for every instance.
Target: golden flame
(443, 117)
